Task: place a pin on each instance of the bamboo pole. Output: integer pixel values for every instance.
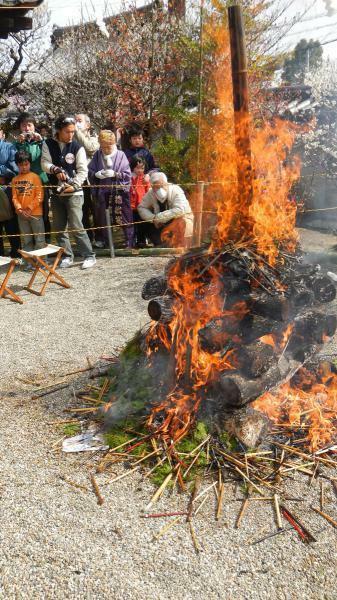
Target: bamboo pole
(241, 119)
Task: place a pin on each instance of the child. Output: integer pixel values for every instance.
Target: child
(136, 146)
(140, 185)
(109, 175)
(8, 220)
(31, 141)
(28, 202)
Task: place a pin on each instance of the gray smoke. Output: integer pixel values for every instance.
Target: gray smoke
(330, 9)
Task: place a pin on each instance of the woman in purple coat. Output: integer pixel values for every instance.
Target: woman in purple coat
(109, 170)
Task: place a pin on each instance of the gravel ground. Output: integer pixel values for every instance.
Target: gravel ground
(56, 542)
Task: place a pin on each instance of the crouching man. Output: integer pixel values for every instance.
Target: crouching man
(167, 212)
(66, 163)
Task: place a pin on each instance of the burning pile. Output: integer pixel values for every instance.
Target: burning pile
(235, 320)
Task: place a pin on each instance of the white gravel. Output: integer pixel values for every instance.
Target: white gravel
(56, 542)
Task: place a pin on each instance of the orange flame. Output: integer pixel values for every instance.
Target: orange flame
(271, 218)
(314, 409)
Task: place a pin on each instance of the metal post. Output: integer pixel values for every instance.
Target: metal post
(199, 206)
(241, 119)
(111, 243)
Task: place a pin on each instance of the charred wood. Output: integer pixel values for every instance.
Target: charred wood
(238, 390)
(161, 309)
(257, 327)
(156, 286)
(311, 328)
(277, 308)
(255, 359)
(215, 335)
(324, 289)
(301, 297)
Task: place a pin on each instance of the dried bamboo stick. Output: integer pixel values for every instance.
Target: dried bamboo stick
(195, 490)
(220, 498)
(242, 512)
(277, 512)
(200, 506)
(191, 465)
(249, 481)
(194, 538)
(325, 516)
(100, 499)
(128, 472)
(159, 491)
(73, 484)
(164, 529)
(321, 495)
(205, 491)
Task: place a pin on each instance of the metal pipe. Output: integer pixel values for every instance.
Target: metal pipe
(241, 119)
(111, 243)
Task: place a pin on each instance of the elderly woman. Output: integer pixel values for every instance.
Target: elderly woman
(167, 210)
(110, 176)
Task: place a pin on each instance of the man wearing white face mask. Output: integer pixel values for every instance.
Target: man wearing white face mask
(168, 212)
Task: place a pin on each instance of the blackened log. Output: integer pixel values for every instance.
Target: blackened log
(255, 359)
(216, 334)
(238, 390)
(257, 327)
(313, 327)
(236, 286)
(277, 308)
(161, 309)
(156, 286)
(324, 289)
(302, 297)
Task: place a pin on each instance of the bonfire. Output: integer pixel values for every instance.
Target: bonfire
(225, 379)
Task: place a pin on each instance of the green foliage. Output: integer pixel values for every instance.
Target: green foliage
(174, 155)
(307, 56)
(160, 473)
(133, 349)
(71, 429)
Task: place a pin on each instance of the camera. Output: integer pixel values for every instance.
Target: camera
(69, 181)
(29, 136)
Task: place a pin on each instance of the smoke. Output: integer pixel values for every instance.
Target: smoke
(331, 7)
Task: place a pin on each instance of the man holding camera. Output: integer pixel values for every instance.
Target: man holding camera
(65, 161)
(30, 141)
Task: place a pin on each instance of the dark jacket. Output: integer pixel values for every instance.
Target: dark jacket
(145, 154)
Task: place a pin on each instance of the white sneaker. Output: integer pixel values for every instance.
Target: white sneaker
(66, 262)
(89, 262)
(98, 244)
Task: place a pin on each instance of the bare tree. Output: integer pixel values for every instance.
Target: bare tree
(21, 54)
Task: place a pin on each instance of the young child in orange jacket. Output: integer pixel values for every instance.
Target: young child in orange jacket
(140, 185)
(27, 194)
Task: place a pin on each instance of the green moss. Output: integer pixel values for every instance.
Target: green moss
(200, 432)
(71, 429)
(133, 347)
(160, 473)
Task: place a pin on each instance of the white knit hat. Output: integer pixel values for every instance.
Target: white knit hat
(157, 176)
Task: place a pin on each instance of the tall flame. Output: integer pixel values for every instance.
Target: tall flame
(271, 217)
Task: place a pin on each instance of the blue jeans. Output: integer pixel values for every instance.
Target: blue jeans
(67, 213)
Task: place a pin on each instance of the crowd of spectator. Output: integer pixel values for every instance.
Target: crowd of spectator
(64, 182)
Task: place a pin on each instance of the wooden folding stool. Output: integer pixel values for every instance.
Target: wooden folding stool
(36, 259)
(5, 291)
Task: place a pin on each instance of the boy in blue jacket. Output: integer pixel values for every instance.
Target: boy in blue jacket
(8, 166)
